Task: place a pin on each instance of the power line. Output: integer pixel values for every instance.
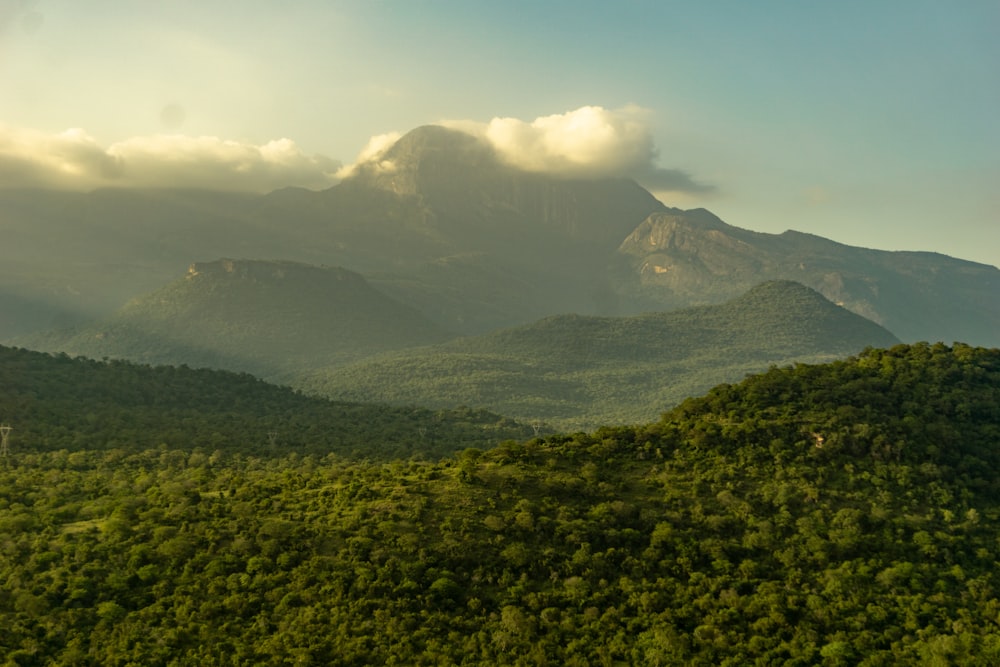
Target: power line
(5, 439)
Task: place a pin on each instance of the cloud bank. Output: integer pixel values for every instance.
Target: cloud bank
(74, 160)
(587, 142)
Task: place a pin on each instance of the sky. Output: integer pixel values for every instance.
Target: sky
(871, 123)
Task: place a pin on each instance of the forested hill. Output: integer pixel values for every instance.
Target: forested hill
(56, 402)
(910, 403)
(838, 514)
(580, 372)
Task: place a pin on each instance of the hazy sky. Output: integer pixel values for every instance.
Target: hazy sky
(874, 123)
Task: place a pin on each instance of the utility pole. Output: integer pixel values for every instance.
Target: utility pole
(5, 439)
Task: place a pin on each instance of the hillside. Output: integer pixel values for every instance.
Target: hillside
(679, 258)
(835, 514)
(271, 319)
(58, 403)
(574, 371)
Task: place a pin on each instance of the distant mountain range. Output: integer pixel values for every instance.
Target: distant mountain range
(440, 223)
(437, 239)
(328, 331)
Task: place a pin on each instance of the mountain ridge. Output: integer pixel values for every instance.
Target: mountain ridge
(694, 257)
(549, 244)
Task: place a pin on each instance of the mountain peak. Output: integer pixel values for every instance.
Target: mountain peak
(428, 141)
(427, 157)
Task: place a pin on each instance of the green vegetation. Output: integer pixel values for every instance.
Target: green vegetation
(578, 372)
(839, 514)
(55, 403)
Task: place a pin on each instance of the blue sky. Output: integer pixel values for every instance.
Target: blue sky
(871, 123)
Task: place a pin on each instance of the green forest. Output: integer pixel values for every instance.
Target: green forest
(835, 514)
(58, 402)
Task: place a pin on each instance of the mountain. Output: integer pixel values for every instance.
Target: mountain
(56, 403)
(273, 319)
(478, 235)
(441, 223)
(844, 513)
(679, 258)
(448, 198)
(481, 202)
(576, 371)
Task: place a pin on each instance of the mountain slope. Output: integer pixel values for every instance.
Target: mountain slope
(574, 371)
(679, 258)
(78, 256)
(58, 403)
(482, 202)
(272, 319)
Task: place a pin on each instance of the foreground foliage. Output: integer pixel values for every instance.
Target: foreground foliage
(840, 514)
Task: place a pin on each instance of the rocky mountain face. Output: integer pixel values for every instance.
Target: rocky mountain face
(480, 244)
(687, 257)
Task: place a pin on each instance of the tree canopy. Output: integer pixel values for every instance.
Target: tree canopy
(837, 514)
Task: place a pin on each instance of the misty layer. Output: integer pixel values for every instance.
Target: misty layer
(74, 160)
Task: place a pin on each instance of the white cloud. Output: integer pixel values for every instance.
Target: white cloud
(589, 142)
(371, 154)
(75, 160)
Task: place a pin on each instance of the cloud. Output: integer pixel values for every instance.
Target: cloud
(74, 160)
(587, 142)
(371, 154)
